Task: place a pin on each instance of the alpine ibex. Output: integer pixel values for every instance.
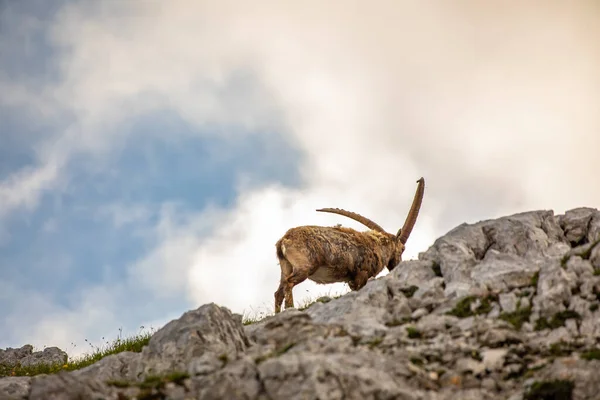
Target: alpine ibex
(337, 254)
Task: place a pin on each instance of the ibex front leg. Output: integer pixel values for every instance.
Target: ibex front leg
(359, 280)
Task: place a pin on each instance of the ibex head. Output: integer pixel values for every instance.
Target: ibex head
(400, 238)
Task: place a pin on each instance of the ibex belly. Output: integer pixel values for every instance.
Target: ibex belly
(326, 274)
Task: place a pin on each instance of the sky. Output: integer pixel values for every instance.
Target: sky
(152, 153)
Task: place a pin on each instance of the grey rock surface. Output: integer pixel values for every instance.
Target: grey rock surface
(500, 309)
(26, 357)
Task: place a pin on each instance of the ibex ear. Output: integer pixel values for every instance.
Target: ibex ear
(399, 233)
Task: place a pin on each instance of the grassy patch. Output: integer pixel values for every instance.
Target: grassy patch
(584, 254)
(463, 307)
(374, 342)
(256, 316)
(275, 353)
(475, 355)
(413, 333)
(529, 372)
(517, 318)
(398, 322)
(119, 345)
(593, 354)
(409, 291)
(417, 361)
(557, 320)
(588, 251)
(557, 389)
(560, 349)
(534, 279)
(224, 358)
(321, 299)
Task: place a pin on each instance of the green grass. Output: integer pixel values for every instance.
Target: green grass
(398, 322)
(409, 291)
(151, 387)
(557, 320)
(550, 390)
(134, 343)
(418, 361)
(593, 354)
(463, 307)
(267, 310)
(275, 353)
(518, 317)
(534, 279)
(413, 333)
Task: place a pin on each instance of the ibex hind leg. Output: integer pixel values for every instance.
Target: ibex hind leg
(298, 276)
(286, 270)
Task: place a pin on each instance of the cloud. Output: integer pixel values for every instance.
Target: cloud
(25, 187)
(496, 108)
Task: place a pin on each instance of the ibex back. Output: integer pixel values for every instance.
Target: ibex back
(337, 254)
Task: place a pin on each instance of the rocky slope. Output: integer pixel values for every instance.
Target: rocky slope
(500, 309)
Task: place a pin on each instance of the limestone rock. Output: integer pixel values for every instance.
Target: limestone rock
(26, 357)
(506, 308)
(198, 338)
(14, 387)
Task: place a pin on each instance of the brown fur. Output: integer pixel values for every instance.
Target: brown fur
(338, 254)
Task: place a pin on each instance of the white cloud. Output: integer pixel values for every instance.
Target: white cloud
(24, 188)
(495, 107)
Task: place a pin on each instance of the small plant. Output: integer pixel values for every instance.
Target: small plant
(413, 333)
(531, 371)
(561, 349)
(550, 390)
(275, 353)
(593, 354)
(409, 291)
(588, 251)
(417, 361)
(517, 318)
(557, 320)
(463, 307)
(564, 260)
(323, 299)
(475, 355)
(375, 342)
(224, 358)
(534, 279)
(398, 322)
